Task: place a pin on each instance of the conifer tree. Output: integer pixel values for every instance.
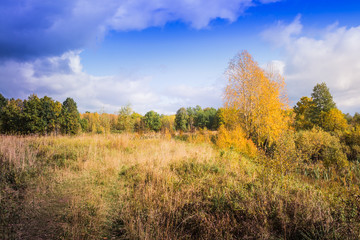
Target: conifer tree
(323, 102)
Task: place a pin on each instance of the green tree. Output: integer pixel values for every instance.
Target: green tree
(303, 109)
(70, 117)
(31, 115)
(210, 114)
(181, 120)
(323, 102)
(152, 121)
(12, 117)
(353, 120)
(3, 102)
(50, 112)
(191, 112)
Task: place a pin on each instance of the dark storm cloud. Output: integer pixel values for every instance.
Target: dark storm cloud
(36, 28)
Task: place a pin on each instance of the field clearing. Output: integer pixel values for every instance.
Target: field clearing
(126, 186)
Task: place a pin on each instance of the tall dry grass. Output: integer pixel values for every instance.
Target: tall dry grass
(132, 186)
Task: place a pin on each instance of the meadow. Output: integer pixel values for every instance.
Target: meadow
(158, 186)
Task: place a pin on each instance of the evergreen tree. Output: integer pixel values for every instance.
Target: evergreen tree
(323, 102)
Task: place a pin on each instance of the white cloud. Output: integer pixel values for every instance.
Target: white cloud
(332, 58)
(141, 14)
(62, 77)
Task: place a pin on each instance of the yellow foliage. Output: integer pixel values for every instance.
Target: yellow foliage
(258, 99)
(334, 120)
(236, 139)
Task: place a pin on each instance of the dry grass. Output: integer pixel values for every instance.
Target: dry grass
(154, 187)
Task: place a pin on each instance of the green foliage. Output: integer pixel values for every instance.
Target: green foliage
(70, 119)
(84, 123)
(3, 101)
(353, 120)
(303, 109)
(205, 118)
(32, 115)
(181, 120)
(152, 121)
(12, 117)
(323, 102)
(196, 118)
(191, 112)
(41, 116)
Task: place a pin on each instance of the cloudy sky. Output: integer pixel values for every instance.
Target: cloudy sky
(165, 54)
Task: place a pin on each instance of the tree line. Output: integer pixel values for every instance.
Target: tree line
(38, 116)
(46, 116)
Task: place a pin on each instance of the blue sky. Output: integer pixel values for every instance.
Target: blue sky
(162, 55)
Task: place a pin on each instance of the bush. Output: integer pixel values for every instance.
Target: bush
(352, 141)
(235, 139)
(285, 154)
(316, 145)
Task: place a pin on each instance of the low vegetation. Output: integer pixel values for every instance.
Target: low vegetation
(151, 187)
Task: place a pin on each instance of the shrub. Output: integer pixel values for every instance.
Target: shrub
(316, 145)
(352, 141)
(285, 153)
(235, 139)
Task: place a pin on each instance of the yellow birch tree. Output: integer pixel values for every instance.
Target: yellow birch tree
(258, 98)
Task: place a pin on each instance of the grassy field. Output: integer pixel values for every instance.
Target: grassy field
(127, 186)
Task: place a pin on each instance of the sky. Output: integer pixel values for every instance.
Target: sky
(162, 55)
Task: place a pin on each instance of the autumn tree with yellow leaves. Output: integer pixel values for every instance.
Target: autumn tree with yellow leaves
(255, 99)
